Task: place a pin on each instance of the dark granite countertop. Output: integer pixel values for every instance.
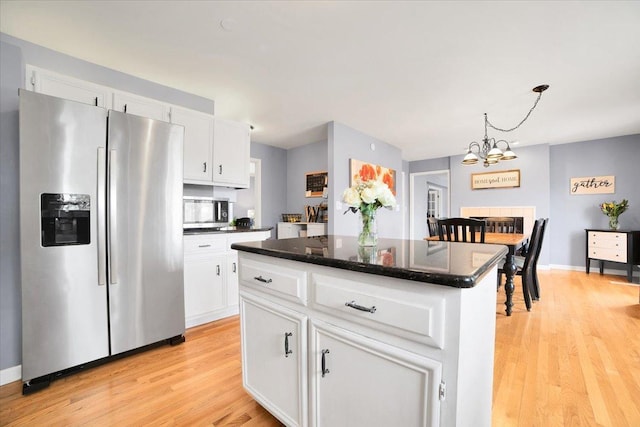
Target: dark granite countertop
(220, 230)
(453, 264)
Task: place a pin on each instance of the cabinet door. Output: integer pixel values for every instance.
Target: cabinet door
(232, 278)
(231, 144)
(198, 137)
(366, 382)
(316, 229)
(54, 84)
(274, 368)
(140, 106)
(203, 285)
(287, 230)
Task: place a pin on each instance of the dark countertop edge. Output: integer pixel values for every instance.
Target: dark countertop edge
(444, 279)
(226, 231)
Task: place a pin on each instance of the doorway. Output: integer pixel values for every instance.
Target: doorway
(249, 201)
(429, 197)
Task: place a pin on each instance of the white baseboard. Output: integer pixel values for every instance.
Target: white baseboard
(192, 321)
(10, 375)
(593, 270)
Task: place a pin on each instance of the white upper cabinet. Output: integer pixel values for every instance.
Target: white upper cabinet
(216, 151)
(140, 106)
(54, 84)
(231, 144)
(198, 141)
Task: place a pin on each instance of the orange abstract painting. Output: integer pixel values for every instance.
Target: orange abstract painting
(363, 171)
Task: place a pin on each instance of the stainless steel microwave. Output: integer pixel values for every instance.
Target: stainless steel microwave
(205, 212)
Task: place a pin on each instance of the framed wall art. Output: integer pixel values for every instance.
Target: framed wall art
(363, 171)
(498, 179)
(316, 184)
(593, 185)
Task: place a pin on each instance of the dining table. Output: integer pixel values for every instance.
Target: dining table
(513, 241)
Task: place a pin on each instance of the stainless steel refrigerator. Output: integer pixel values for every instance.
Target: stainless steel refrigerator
(100, 233)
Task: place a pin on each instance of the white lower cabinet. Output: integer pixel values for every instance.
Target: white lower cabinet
(274, 364)
(204, 285)
(232, 278)
(211, 275)
(357, 381)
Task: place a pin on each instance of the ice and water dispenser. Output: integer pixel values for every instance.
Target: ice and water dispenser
(65, 219)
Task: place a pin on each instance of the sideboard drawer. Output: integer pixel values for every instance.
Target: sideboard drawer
(609, 254)
(602, 239)
(414, 316)
(280, 281)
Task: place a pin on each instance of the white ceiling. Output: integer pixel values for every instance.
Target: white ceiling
(418, 75)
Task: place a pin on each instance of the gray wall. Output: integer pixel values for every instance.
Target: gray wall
(533, 163)
(308, 158)
(571, 214)
(545, 176)
(346, 143)
(11, 78)
(441, 163)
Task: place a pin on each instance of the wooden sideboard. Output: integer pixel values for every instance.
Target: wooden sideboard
(622, 246)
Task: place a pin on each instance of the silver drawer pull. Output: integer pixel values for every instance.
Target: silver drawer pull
(204, 246)
(262, 279)
(353, 304)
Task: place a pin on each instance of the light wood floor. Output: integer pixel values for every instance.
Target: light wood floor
(574, 360)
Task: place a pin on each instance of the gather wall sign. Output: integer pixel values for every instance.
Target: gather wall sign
(593, 185)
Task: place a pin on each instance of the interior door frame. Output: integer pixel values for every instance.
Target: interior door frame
(412, 200)
(256, 173)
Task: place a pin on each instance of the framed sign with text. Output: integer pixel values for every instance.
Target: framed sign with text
(316, 184)
(593, 185)
(499, 179)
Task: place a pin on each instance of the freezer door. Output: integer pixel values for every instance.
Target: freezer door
(62, 165)
(144, 193)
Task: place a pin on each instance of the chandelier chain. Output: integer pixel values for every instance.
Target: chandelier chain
(519, 124)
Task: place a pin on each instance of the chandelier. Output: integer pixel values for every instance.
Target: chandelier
(488, 149)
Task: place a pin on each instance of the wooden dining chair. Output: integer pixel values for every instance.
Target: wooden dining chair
(526, 265)
(535, 291)
(462, 230)
(501, 225)
(432, 224)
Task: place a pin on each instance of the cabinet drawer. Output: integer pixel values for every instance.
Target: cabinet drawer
(608, 254)
(202, 243)
(280, 281)
(609, 243)
(412, 315)
(599, 236)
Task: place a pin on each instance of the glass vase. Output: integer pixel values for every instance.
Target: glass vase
(368, 235)
(613, 223)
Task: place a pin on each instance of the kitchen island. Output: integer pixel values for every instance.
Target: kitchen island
(401, 334)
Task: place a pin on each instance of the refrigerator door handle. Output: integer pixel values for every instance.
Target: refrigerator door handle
(113, 225)
(100, 215)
